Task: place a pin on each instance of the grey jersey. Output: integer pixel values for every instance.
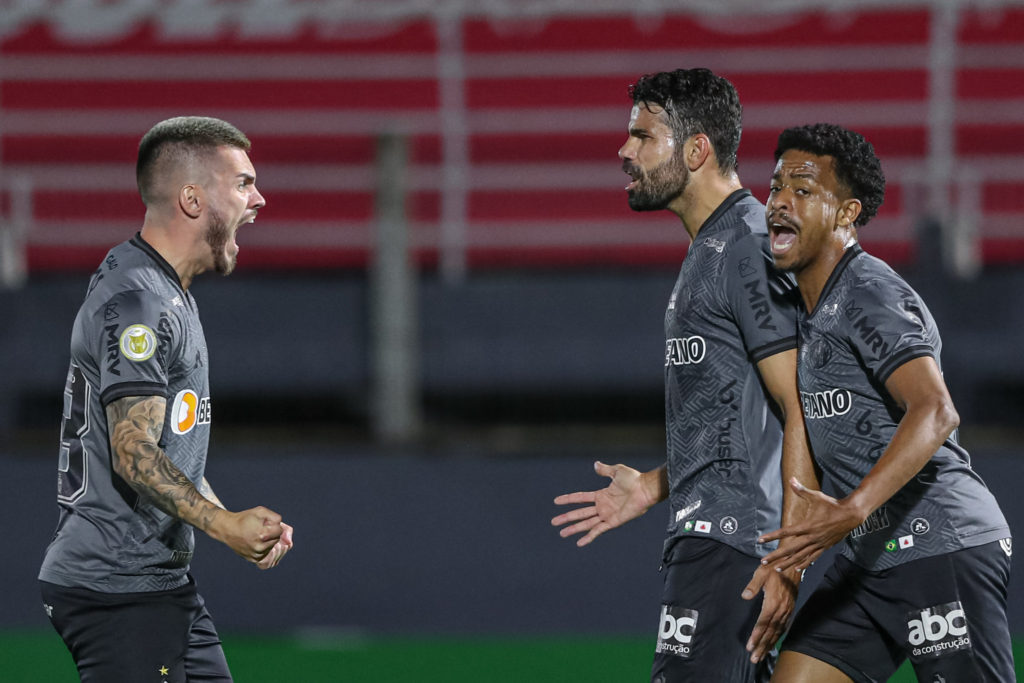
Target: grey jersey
(136, 334)
(867, 323)
(729, 309)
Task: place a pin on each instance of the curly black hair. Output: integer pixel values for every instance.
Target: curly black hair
(696, 101)
(856, 165)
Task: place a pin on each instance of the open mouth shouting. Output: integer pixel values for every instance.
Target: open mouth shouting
(783, 234)
(634, 172)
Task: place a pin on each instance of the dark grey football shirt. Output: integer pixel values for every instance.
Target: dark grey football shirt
(867, 323)
(729, 309)
(136, 334)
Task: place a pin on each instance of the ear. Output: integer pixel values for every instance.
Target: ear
(697, 150)
(849, 210)
(190, 200)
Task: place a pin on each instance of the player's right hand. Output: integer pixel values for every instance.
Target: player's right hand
(250, 533)
(625, 498)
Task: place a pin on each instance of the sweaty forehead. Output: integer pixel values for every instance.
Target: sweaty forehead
(797, 163)
(647, 116)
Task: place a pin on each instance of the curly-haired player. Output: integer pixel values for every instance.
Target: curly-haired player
(924, 568)
(731, 405)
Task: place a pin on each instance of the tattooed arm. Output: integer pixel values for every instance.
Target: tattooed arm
(135, 424)
(208, 494)
(135, 427)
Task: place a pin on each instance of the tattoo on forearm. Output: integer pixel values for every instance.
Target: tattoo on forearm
(135, 426)
(207, 491)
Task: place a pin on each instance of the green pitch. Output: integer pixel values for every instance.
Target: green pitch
(39, 656)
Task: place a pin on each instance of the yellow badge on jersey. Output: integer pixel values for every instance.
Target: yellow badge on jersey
(138, 343)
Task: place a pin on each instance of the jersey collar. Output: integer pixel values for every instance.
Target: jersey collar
(851, 253)
(146, 247)
(727, 203)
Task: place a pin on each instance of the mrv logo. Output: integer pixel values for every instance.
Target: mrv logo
(936, 631)
(826, 403)
(685, 350)
(675, 632)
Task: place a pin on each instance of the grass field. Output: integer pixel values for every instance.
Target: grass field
(40, 657)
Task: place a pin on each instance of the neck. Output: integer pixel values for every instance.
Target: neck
(703, 194)
(177, 252)
(812, 278)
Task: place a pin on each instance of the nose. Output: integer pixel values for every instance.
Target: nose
(780, 199)
(627, 151)
(257, 201)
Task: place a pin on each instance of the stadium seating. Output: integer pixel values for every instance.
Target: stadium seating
(513, 125)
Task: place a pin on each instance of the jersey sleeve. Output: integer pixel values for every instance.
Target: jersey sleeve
(762, 300)
(138, 337)
(887, 326)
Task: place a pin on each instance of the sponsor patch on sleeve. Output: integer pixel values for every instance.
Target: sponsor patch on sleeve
(137, 343)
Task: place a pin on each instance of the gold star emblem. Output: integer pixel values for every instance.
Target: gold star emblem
(163, 671)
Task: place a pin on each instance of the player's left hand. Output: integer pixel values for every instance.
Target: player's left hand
(780, 589)
(826, 522)
(283, 545)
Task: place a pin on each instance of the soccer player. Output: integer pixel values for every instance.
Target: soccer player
(130, 487)
(732, 408)
(923, 572)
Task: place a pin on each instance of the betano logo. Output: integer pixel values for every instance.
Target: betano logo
(829, 403)
(188, 410)
(685, 350)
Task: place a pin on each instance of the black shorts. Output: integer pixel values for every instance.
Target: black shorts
(163, 636)
(946, 613)
(704, 623)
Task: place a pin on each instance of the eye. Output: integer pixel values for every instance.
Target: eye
(802, 191)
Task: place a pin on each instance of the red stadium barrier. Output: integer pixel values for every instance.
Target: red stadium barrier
(546, 108)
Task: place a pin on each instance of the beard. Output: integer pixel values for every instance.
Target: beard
(217, 236)
(660, 187)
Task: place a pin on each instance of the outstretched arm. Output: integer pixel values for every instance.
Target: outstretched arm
(780, 589)
(630, 494)
(929, 418)
(135, 425)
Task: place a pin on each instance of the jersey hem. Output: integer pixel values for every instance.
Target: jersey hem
(675, 536)
(67, 581)
(971, 541)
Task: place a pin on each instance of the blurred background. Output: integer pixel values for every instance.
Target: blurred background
(446, 310)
